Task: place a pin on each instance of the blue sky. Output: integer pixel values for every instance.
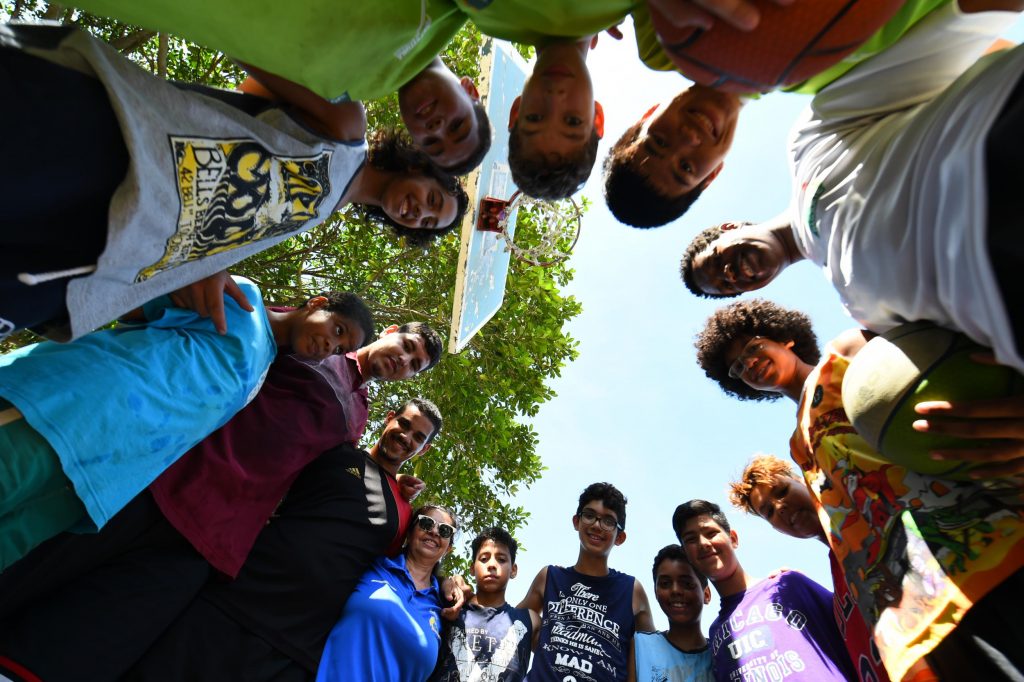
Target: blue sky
(635, 409)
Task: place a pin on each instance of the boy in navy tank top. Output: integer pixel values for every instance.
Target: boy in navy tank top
(589, 611)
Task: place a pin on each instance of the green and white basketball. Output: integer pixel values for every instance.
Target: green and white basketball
(910, 364)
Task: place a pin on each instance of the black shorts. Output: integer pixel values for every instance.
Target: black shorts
(87, 607)
(63, 157)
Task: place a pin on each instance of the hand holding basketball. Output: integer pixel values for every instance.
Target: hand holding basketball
(1001, 420)
(761, 45)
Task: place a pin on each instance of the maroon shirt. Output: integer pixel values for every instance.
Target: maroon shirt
(220, 494)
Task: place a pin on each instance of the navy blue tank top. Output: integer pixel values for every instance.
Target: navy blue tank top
(586, 627)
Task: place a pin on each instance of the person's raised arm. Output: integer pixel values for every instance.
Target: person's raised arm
(344, 121)
(971, 6)
(642, 618)
(534, 599)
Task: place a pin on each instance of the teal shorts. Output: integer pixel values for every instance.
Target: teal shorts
(37, 501)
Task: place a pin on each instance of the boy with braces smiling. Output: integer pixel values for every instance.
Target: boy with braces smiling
(599, 605)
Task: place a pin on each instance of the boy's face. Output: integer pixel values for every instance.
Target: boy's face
(320, 332)
(405, 435)
(743, 258)
(682, 144)
(396, 356)
(787, 505)
(556, 114)
(493, 567)
(711, 549)
(679, 592)
(599, 536)
(437, 109)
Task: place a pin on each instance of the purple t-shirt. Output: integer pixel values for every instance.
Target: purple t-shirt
(780, 628)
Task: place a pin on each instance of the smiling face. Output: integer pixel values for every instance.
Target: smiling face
(437, 109)
(762, 364)
(679, 592)
(396, 356)
(320, 332)
(419, 202)
(595, 538)
(787, 505)
(428, 545)
(405, 435)
(556, 114)
(711, 549)
(682, 144)
(743, 258)
(493, 567)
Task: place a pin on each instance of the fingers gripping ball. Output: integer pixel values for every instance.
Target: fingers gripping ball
(790, 44)
(911, 364)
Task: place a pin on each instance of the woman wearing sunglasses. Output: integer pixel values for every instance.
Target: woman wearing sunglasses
(390, 628)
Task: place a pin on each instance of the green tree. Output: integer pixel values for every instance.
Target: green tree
(487, 393)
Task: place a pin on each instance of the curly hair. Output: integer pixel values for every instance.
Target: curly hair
(431, 340)
(676, 553)
(394, 152)
(608, 495)
(428, 409)
(745, 320)
(542, 180)
(703, 240)
(761, 469)
(352, 307)
(628, 194)
(483, 129)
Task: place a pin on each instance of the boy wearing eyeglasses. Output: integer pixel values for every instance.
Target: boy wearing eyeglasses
(489, 639)
(589, 611)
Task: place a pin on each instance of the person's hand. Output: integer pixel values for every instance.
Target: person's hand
(613, 31)
(410, 486)
(206, 297)
(741, 14)
(455, 591)
(999, 419)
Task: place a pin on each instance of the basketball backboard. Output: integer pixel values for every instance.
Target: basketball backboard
(483, 258)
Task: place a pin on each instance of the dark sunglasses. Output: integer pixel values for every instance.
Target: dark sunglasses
(426, 524)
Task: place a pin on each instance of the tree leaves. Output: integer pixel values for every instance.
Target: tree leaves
(486, 451)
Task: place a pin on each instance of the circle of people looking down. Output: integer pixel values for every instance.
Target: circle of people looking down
(234, 530)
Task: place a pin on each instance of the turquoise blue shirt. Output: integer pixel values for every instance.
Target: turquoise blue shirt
(657, 659)
(120, 405)
(388, 632)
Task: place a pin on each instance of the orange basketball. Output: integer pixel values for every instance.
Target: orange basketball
(789, 45)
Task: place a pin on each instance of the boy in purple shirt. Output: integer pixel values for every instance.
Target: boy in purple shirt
(773, 628)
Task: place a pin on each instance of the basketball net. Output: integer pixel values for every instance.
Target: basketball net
(557, 226)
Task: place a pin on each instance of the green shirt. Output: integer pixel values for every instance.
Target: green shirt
(654, 56)
(535, 21)
(340, 50)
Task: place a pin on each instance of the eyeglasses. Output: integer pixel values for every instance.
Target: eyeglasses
(426, 524)
(589, 516)
(753, 347)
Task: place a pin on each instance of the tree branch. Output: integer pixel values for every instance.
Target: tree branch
(133, 41)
